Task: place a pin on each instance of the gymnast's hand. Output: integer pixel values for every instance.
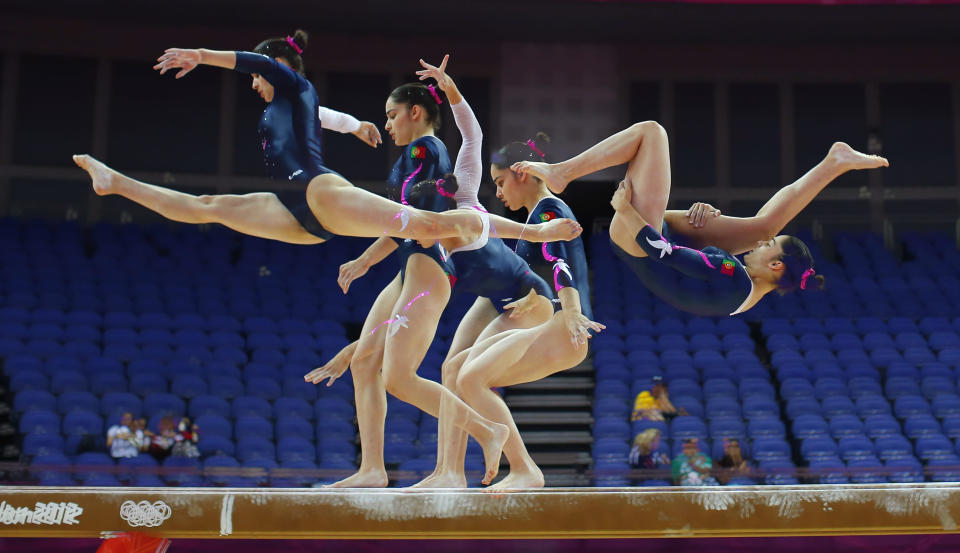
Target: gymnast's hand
(444, 82)
(559, 230)
(368, 133)
(621, 198)
(351, 271)
(522, 306)
(701, 212)
(174, 58)
(578, 326)
(333, 370)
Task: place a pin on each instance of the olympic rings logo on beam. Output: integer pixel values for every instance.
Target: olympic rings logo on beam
(145, 513)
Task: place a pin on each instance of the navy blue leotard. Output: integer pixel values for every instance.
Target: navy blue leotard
(425, 158)
(562, 263)
(290, 132)
(489, 268)
(708, 282)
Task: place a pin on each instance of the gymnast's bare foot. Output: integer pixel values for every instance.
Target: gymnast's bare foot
(849, 159)
(103, 177)
(442, 480)
(520, 480)
(363, 479)
(492, 445)
(549, 173)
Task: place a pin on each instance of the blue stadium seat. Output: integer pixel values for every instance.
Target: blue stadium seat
(833, 406)
(759, 406)
(38, 421)
(766, 427)
(829, 470)
(145, 383)
(249, 405)
(910, 405)
(802, 406)
(917, 426)
(207, 405)
(182, 471)
(295, 448)
(42, 444)
(218, 469)
(29, 400)
(285, 406)
(248, 426)
(944, 469)
(854, 446)
(117, 403)
(866, 470)
(188, 386)
(904, 469)
(255, 448)
(164, 403)
(934, 446)
(818, 446)
(83, 422)
(876, 426)
(227, 387)
(215, 445)
(751, 387)
(688, 427)
(769, 449)
(293, 426)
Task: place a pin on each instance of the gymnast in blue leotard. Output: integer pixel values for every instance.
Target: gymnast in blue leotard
(689, 264)
(289, 135)
(523, 354)
(562, 263)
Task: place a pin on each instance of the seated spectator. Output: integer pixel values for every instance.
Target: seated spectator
(645, 454)
(732, 463)
(161, 444)
(186, 439)
(142, 433)
(645, 407)
(662, 396)
(692, 466)
(122, 439)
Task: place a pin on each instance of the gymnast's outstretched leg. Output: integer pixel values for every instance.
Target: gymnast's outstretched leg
(259, 214)
(740, 234)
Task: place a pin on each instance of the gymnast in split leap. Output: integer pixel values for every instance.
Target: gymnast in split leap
(292, 151)
(694, 268)
(398, 339)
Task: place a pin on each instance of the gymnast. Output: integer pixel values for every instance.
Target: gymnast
(292, 151)
(521, 355)
(693, 267)
(412, 321)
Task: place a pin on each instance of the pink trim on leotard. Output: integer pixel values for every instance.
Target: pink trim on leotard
(702, 255)
(403, 188)
(558, 265)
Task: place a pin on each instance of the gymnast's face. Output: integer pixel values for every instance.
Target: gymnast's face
(766, 255)
(510, 187)
(405, 122)
(262, 86)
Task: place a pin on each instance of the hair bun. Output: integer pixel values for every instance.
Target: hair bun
(450, 183)
(542, 137)
(300, 37)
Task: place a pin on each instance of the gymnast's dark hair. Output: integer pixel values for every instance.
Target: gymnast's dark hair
(530, 150)
(797, 261)
(426, 194)
(416, 94)
(286, 48)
